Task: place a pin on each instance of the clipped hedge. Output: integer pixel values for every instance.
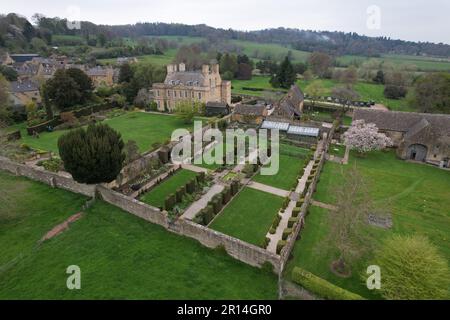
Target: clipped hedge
(322, 287)
(280, 245)
(296, 212)
(286, 233)
(292, 222)
(265, 242)
(170, 201)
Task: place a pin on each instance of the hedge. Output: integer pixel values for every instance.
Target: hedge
(292, 222)
(295, 212)
(226, 195)
(322, 287)
(266, 242)
(280, 245)
(170, 201)
(286, 233)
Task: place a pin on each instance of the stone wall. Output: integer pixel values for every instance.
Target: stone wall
(56, 180)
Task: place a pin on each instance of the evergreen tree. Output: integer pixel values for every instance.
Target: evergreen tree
(285, 76)
(94, 155)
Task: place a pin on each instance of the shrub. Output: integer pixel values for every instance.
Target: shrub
(321, 287)
(272, 230)
(300, 202)
(280, 246)
(170, 201)
(234, 187)
(191, 186)
(292, 222)
(296, 212)
(201, 177)
(265, 242)
(226, 195)
(286, 233)
(217, 205)
(276, 221)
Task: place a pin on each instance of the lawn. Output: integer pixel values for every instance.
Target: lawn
(158, 194)
(144, 128)
(337, 150)
(292, 160)
(120, 255)
(417, 196)
(249, 216)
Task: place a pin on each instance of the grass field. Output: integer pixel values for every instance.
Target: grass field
(417, 196)
(120, 255)
(249, 216)
(366, 91)
(291, 162)
(144, 128)
(337, 150)
(157, 195)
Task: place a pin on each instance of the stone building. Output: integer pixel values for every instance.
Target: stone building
(101, 76)
(290, 107)
(23, 92)
(216, 109)
(249, 114)
(205, 85)
(417, 136)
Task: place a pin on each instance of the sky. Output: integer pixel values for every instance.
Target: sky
(415, 20)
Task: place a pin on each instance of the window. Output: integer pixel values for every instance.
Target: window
(185, 94)
(168, 93)
(199, 95)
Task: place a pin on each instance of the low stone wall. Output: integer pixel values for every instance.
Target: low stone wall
(53, 179)
(236, 248)
(133, 206)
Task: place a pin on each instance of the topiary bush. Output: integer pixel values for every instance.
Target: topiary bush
(296, 212)
(170, 201)
(321, 287)
(286, 233)
(292, 222)
(280, 246)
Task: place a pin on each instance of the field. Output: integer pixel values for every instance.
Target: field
(249, 216)
(120, 255)
(157, 195)
(147, 129)
(366, 91)
(291, 162)
(417, 196)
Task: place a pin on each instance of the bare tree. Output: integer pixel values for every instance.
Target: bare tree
(348, 223)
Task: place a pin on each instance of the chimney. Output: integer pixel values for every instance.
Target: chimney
(205, 69)
(170, 68)
(215, 68)
(182, 67)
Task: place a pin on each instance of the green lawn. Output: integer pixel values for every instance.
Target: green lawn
(144, 128)
(249, 216)
(158, 194)
(337, 150)
(121, 256)
(418, 197)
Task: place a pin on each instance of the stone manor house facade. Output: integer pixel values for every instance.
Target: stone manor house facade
(205, 85)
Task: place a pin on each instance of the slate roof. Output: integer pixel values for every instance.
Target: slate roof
(20, 58)
(216, 104)
(404, 121)
(23, 86)
(186, 78)
(289, 104)
(97, 72)
(249, 109)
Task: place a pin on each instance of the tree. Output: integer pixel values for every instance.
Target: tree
(92, 155)
(228, 64)
(320, 63)
(346, 96)
(379, 78)
(244, 72)
(5, 112)
(131, 151)
(285, 76)
(186, 110)
(84, 82)
(431, 93)
(349, 76)
(315, 90)
(394, 92)
(101, 39)
(126, 73)
(365, 137)
(348, 222)
(412, 269)
(9, 73)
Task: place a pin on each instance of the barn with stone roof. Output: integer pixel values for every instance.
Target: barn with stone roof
(417, 136)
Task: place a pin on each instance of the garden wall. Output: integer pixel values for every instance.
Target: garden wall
(53, 179)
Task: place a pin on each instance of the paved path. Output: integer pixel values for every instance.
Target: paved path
(198, 205)
(323, 205)
(193, 168)
(268, 189)
(277, 236)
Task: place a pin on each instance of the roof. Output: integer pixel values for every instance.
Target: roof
(23, 57)
(283, 126)
(187, 78)
(303, 131)
(289, 105)
(23, 86)
(403, 121)
(249, 109)
(216, 104)
(97, 72)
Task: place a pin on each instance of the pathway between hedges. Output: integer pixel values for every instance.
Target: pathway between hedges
(263, 187)
(200, 204)
(277, 236)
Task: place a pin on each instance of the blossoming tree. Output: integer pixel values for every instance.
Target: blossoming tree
(364, 137)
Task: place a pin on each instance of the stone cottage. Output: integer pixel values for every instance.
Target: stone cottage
(249, 114)
(417, 136)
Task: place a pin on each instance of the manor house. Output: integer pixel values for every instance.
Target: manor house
(205, 85)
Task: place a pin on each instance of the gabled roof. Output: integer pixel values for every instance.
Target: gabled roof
(403, 121)
(216, 104)
(23, 86)
(249, 109)
(23, 57)
(186, 78)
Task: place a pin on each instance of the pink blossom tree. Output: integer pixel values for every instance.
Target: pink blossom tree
(364, 137)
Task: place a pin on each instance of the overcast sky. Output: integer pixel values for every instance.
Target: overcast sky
(417, 20)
